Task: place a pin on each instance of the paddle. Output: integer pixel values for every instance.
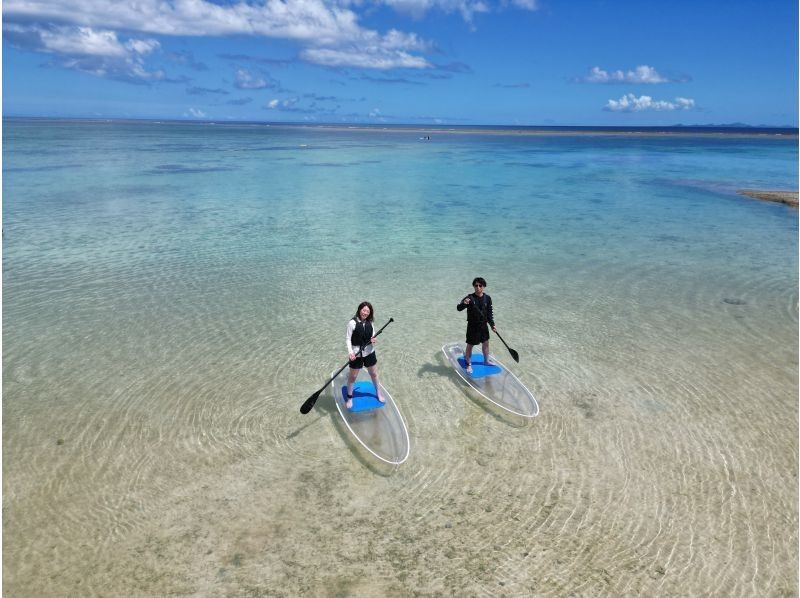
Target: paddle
(309, 404)
(514, 354)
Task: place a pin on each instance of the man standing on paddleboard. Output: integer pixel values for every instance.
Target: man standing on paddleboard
(479, 317)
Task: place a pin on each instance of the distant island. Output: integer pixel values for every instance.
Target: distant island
(733, 129)
(737, 126)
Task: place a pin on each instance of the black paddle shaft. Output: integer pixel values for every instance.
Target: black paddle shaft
(309, 404)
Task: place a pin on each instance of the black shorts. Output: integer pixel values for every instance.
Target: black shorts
(477, 333)
(367, 361)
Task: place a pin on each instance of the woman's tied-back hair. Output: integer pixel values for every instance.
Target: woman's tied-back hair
(371, 311)
(479, 281)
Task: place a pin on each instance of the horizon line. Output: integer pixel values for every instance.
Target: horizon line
(351, 124)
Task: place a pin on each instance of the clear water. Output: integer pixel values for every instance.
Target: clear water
(172, 293)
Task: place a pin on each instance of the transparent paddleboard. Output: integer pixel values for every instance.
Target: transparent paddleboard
(495, 382)
(379, 428)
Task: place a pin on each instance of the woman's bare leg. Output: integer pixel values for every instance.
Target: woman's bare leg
(373, 373)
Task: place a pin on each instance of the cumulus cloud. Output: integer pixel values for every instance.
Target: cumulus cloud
(328, 31)
(418, 8)
(195, 113)
(685, 103)
(291, 105)
(77, 41)
(96, 51)
(306, 20)
(288, 104)
(82, 41)
(641, 74)
(373, 51)
(630, 103)
(245, 80)
(466, 8)
(357, 57)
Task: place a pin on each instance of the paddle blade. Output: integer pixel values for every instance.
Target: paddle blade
(514, 355)
(309, 404)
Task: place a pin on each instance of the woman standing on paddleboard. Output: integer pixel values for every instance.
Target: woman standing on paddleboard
(360, 335)
(479, 317)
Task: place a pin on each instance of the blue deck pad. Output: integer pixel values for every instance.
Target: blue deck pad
(364, 397)
(479, 369)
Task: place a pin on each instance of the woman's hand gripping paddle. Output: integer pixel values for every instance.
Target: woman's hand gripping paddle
(309, 404)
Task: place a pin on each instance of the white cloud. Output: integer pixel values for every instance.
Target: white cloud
(82, 41)
(630, 103)
(95, 51)
(244, 80)
(418, 8)
(466, 8)
(195, 113)
(641, 74)
(376, 59)
(302, 20)
(373, 51)
(143, 46)
(376, 114)
(288, 105)
(329, 31)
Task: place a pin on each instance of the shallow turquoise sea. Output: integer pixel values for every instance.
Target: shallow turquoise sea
(173, 292)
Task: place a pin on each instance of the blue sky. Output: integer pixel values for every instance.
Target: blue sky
(459, 62)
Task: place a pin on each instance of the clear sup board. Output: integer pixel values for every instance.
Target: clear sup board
(378, 427)
(494, 382)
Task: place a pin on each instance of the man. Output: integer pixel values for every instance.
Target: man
(479, 317)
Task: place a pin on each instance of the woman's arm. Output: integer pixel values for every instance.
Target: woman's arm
(351, 325)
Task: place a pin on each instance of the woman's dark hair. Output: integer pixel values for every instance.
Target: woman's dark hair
(371, 311)
(479, 281)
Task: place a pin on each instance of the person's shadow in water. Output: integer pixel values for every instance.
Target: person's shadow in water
(444, 371)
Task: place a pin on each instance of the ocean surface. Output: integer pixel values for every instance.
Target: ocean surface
(173, 292)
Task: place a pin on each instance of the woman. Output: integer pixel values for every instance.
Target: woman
(360, 335)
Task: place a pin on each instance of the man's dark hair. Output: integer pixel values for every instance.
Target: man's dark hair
(479, 281)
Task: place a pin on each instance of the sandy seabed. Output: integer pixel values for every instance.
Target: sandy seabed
(663, 462)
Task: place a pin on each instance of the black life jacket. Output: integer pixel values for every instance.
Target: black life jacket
(361, 334)
(478, 313)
